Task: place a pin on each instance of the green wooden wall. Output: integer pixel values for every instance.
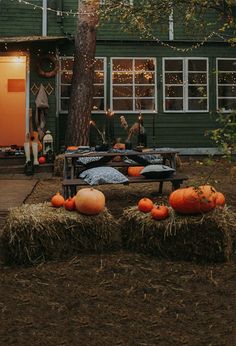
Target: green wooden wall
(163, 129)
(185, 130)
(19, 19)
(35, 79)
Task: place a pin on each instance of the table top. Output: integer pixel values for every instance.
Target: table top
(117, 152)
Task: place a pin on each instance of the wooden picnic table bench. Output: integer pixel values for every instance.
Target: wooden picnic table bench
(69, 185)
(72, 168)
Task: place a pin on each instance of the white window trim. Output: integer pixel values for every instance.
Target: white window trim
(61, 111)
(171, 25)
(155, 110)
(217, 85)
(44, 18)
(185, 85)
(105, 86)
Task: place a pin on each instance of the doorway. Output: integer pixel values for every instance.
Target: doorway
(12, 100)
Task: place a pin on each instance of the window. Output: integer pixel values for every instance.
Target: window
(185, 83)
(133, 84)
(226, 84)
(65, 78)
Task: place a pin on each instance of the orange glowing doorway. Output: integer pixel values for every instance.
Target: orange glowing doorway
(12, 100)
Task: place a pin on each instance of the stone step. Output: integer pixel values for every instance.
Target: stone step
(19, 169)
(12, 161)
(20, 176)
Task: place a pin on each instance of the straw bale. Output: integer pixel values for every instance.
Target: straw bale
(201, 238)
(58, 165)
(40, 232)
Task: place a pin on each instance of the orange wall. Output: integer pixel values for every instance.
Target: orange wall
(12, 103)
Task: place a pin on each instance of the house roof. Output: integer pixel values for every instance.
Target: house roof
(16, 39)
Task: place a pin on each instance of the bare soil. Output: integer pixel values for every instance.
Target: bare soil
(123, 298)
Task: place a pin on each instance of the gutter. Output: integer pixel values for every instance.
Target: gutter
(44, 18)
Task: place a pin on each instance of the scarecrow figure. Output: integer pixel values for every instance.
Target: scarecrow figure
(32, 142)
(42, 106)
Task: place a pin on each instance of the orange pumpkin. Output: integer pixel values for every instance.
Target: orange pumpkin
(191, 200)
(160, 212)
(57, 200)
(89, 201)
(220, 199)
(119, 146)
(145, 205)
(135, 171)
(72, 148)
(42, 160)
(70, 204)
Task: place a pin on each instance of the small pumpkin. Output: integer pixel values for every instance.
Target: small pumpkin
(42, 160)
(89, 201)
(72, 148)
(145, 205)
(70, 204)
(57, 200)
(135, 171)
(119, 145)
(220, 199)
(191, 200)
(160, 212)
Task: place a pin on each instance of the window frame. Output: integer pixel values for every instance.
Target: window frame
(217, 85)
(185, 85)
(155, 110)
(60, 110)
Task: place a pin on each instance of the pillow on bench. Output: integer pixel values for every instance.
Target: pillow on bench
(87, 160)
(157, 171)
(145, 159)
(103, 175)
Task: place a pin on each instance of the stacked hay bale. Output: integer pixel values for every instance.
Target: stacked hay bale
(202, 238)
(39, 232)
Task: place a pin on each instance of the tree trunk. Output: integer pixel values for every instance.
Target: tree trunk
(81, 99)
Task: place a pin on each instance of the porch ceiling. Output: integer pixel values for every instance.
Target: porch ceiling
(17, 39)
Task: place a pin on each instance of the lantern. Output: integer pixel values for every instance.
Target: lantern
(47, 143)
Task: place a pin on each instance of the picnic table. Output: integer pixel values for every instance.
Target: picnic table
(72, 167)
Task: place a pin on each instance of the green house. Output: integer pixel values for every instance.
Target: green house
(177, 80)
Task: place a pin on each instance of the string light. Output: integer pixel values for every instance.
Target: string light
(145, 31)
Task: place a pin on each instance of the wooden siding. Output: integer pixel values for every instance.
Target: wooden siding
(163, 129)
(51, 123)
(17, 19)
(185, 130)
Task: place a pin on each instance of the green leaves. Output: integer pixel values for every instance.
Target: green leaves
(225, 135)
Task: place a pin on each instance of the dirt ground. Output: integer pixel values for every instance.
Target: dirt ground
(123, 298)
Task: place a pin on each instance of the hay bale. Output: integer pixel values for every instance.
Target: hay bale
(58, 165)
(200, 238)
(39, 232)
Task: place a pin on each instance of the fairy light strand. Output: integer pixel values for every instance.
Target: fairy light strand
(152, 37)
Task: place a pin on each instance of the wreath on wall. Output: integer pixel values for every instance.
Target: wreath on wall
(50, 60)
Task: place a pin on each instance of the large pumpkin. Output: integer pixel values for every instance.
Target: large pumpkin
(191, 200)
(89, 201)
(135, 171)
(220, 199)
